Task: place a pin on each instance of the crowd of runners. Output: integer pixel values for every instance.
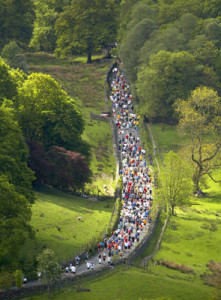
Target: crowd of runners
(136, 179)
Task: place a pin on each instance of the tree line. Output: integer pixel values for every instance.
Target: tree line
(171, 52)
(40, 144)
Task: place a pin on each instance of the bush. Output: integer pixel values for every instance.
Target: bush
(6, 280)
(18, 276)
(13, 55)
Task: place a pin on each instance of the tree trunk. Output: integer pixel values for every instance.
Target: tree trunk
(48, 291)
(173, 206)
(89, 54)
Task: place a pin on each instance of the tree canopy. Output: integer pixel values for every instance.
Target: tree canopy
(85, 26)
(199, 119)
(175, 185)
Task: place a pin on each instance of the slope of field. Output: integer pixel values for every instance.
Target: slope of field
(55, 220)
(136, 284)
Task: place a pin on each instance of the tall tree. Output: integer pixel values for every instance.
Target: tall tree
(47, 114)
(167, 77)
(16, 21)
(43, 37)
(14, 153)
(7, 83)
(175, 184)
(15, 215)
(130, 47)
(199, 119)
(85, 26)
(49, 268)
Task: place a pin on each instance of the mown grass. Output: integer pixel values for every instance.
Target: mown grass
(85, 83)
(55, 221)
(168, 138)
(137, 284)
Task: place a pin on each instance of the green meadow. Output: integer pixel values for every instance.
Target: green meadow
(134, 283)
(55, 221)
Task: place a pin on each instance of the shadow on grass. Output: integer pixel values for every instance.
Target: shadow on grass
(72, 202)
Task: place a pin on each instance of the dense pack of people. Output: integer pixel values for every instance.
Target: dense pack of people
(136, 177)
(136, 195)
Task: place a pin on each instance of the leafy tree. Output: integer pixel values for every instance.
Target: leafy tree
(70, 169)
(169, 11)
(58, 167)
(13, 55)
(7, 84)
(16, 19)
(84, 26)
(14, 153)
(49, 268)
(130, 46)
(43, 37)
(206, 54)
(167, 77)
(47, 114)
(18, 276)
(199, 119)
(15, 215)
(6, 280)
(175, 184)
(169, 39)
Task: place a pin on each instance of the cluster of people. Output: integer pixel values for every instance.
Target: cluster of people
(136, 180)
(136, 177)
(72, 268)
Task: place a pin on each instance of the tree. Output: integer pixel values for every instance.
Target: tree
(16, 20)
(58, 167)
(15, 215)
(199, 119)
(49, 268)
(14, 56)
(43, 37)
(175, 183)
(14, 153)
(85, 26)
(47, 114)
(167, 77)
(130, 46)
(18, 276)
(7, 84)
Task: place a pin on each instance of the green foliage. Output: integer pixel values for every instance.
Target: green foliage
(14, 222)
(49, 268)
(14, 153)
(84, 26)
(169, 75)
(7, 84)
(6, 279)
(130, 47)
(47, 114)
(16, 21)
(199, 119)
(174, 183)
(43, 37)
(18, 276)
(13, 55)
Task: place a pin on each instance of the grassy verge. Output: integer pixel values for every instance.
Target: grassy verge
(85, 83)
(137, 284)
(55, 220)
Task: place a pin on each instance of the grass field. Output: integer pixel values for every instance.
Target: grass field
(134, 284)
(55, 220)
(85, 83)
